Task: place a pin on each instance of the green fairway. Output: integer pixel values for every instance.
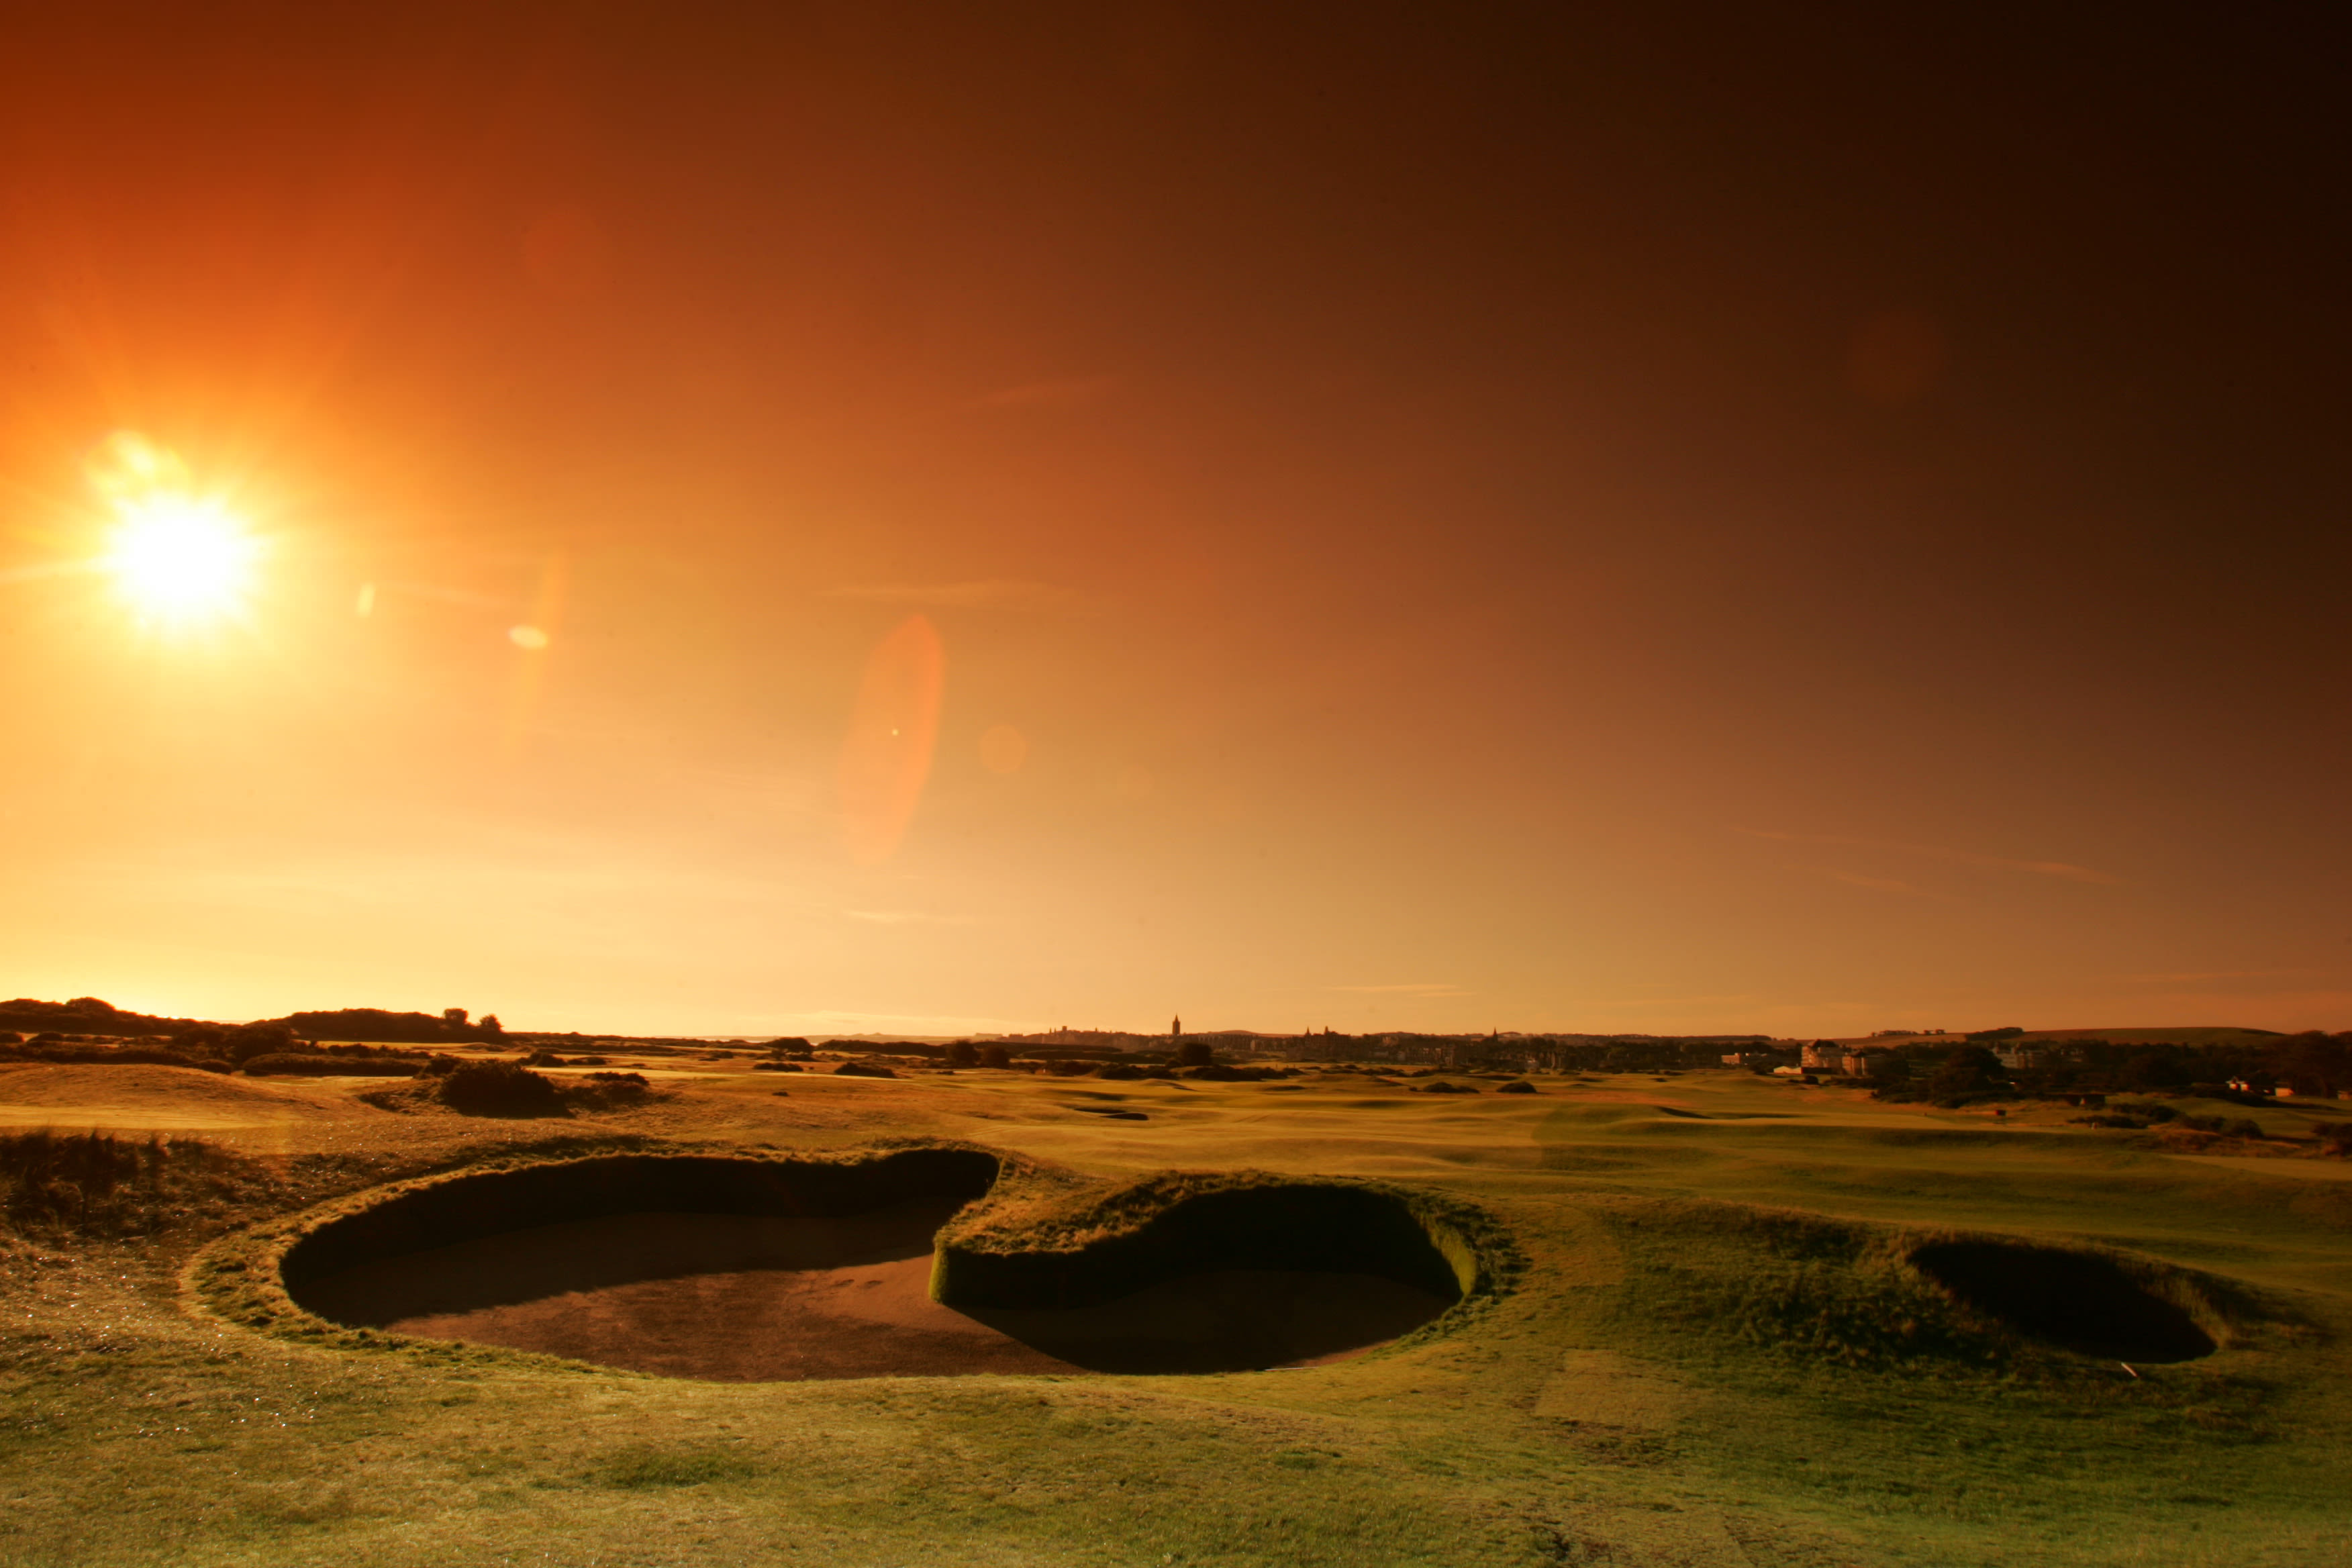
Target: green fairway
(1706, 1348)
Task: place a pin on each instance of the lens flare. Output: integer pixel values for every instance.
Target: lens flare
(888, 753)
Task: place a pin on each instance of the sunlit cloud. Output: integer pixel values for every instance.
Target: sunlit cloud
(2060, 869)
(2207, 976)
(846, 1023)
(1063, 392)
(1876, 884)
(992, 593)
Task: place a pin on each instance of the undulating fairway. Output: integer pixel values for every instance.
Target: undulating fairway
(1702, 1318)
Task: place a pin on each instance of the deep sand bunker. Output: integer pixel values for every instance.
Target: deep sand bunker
(746, 1270)
(2074, 1299)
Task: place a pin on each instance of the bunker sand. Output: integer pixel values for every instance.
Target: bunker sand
(750, 1298)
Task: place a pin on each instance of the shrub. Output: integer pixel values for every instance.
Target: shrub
(499, 1088)
(862, 1070)
(995, 1057)
(2336, 1140)
(2244, 1127)
(1193, 1053)
(1120, 1071)
(963, 1054)
(1517, 1086)
(308, 1064)
(608, 1090)
(777, 1067)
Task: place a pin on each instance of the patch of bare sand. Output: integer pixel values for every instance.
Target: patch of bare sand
(1611, 1390)
(161, 1098)
(732, 1298)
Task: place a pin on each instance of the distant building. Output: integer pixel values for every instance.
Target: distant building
(1864, 1061)
(1823, 1056)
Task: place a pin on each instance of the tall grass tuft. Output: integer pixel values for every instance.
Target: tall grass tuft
(97, 1184)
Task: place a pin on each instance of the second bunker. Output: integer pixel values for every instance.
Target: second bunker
(2079, 1301)
(741, 1269)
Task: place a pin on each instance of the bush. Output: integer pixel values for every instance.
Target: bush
(1517, 1086)
(610, 1090)
(2244, 1127)
(963, 1054)
(777, 1067)
(308, 1063)
(995, 1057)
(2336, 1140)
(1193, 1053)
(862, 1070)
(499, 1088)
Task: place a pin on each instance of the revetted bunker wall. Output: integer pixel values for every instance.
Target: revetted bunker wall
(2083, 1301)
(491, 1203)
(1254, 1222)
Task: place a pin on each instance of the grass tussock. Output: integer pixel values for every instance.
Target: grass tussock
(68, 1184)
(642, 1467)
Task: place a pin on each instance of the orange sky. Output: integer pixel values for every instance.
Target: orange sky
(1397, 522)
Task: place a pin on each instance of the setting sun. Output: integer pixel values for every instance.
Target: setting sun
(180, 558)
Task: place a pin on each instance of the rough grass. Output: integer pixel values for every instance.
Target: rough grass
(68, 1184)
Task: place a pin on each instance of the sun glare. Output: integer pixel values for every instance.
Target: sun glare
(176, 556)
(178, 559)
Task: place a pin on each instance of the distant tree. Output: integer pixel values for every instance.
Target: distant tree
(249, 1040)
(963, 1054)
(491, 1024)
(2154, 1069)
(995, 1057)
(1970, 1069)
(1194, 1054)
(454, 1017)
(2312, 1062)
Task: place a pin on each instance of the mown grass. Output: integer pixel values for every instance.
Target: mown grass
(1796, 1398)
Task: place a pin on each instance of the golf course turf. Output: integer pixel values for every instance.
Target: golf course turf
(1700, 1319)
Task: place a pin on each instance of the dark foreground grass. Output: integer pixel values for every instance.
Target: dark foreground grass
(1711, 1351)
